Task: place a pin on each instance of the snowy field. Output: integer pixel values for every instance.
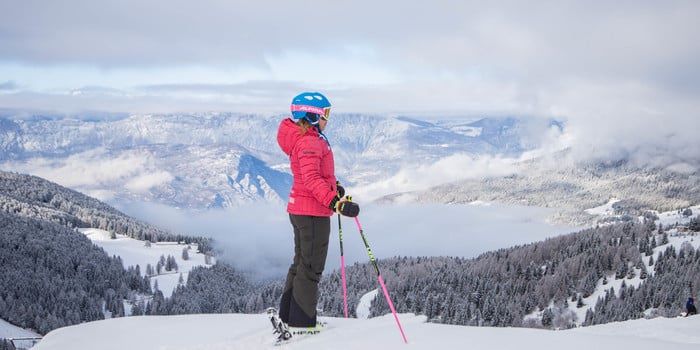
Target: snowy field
(238, 331)
(672, 217)
(605, 209)
(8, 330)
(134, 252)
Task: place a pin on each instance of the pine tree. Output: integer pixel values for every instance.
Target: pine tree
(170, 263)
(547, 318)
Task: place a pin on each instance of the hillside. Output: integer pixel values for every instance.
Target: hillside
(571, 188)
(53, 275)
(33, 197)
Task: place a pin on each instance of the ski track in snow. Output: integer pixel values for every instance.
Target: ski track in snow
(363, 306)
(134, 252)
(239, 331)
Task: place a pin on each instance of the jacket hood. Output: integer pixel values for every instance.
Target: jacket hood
(289, 133)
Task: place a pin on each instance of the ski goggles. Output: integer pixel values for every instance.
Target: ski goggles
(323, 113)
(326, 114)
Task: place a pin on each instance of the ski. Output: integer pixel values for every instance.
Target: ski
(297, 334)
(285, 334)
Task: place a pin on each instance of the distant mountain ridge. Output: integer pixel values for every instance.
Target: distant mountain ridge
(227, 159)
(571, 188)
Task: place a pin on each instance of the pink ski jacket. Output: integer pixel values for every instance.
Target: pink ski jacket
(311, 160)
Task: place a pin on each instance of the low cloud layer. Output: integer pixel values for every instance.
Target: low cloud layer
(92, 171)
(259, 237)
(449, 169)
(8, 85)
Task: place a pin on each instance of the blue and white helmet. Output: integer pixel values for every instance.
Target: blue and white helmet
(310, 106)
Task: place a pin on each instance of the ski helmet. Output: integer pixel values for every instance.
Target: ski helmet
(310, 106)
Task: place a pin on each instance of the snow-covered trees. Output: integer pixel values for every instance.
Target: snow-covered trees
(513, 282)
(53, 276)
(694, 224)
(6, 344)
(170, 264)
(34, 197)
(219, 289)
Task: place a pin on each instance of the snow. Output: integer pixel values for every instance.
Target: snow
(672, 217)
(471, 131)
(363, 306)
(605, 209)
(239, 331)
(134, 252)
(600, 289)
(8, 330)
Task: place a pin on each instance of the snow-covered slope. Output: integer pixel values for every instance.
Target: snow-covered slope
(238, 331)
(582, 193)
(10, 331)
(134, 252)
(363, 307)
(676, 239)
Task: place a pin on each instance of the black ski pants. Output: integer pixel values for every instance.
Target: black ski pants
(300, 296)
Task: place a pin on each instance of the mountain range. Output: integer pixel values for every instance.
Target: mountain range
(227, 159)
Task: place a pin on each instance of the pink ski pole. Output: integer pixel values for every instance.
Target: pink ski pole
(342, 269)
(381, 280)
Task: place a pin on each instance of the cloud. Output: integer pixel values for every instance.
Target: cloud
(623, 74)
(8, 85)
(93, 171)
(445, 170)
(91, 168)
(259, 237)
(144, 182)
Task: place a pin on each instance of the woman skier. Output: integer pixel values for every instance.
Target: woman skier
(314, 197)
